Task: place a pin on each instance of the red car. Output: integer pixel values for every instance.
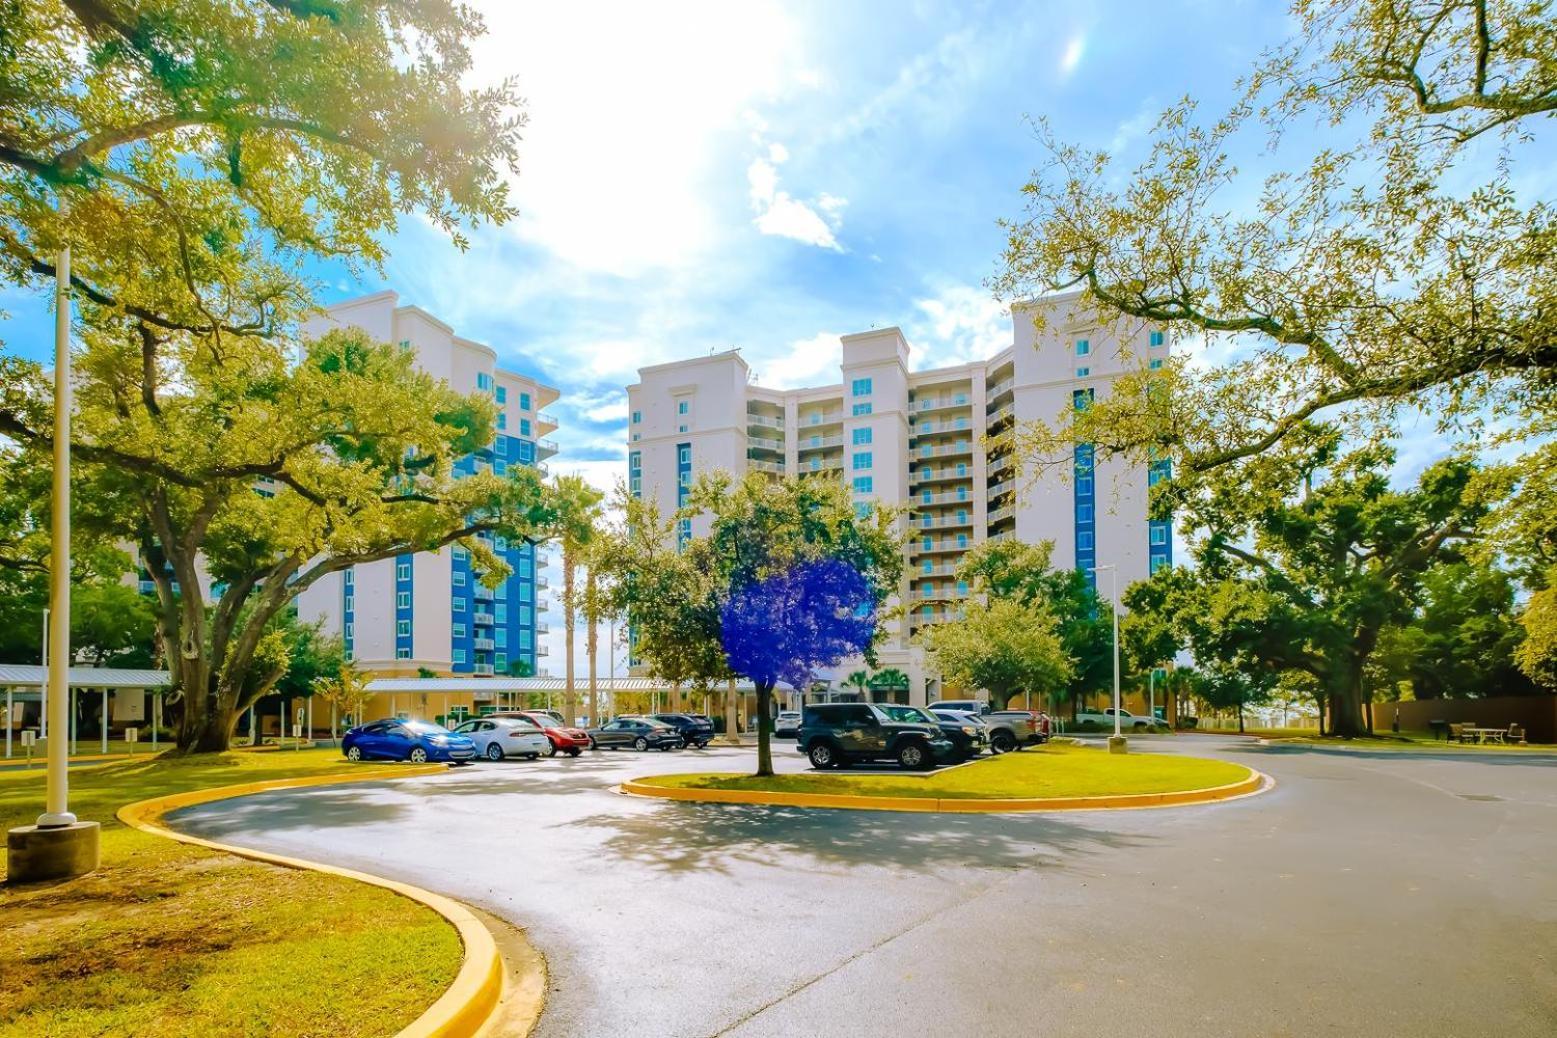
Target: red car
(564, 738)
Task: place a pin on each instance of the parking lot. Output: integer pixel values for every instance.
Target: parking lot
(1357, 895)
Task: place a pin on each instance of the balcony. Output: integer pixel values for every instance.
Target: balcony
(483, 670)
(816, 443)
(934, 616)
(483, 592)
(1000, 414)
(763, 421)
(945, 450)
(484, 644)
(545, 449)
(940, 594)
(834, 464)
(762, 443)
(950, 497)
(541, 650)
(542, 627)
(822, 418)
(943, 522)
(940, 403)
(1003, 487)
(944, 569)
(948, 474)
(953, 425)
(773, 467)
(947, 544)
(1000, 464)
(1002, 513)
(542, 582)
(544, 423)
(995, 391)
(1003, 535)
(482, 619)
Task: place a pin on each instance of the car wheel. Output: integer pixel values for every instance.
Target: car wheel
(823, 756)
(417, 755)
(1002, 742)
(640, 744)
(531, 756)
(494, 751)
(551, 748)
(913, 756)
(574, 752)
(354, 754)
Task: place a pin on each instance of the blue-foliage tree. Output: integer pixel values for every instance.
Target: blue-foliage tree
(816, 613)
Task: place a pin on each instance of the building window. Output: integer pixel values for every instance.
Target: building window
(458, 630)
(1159, 534)
(461, 554)
(502, 419)
(502, 637)
(929, 543)
(351, 630)
(1083, 372)
(502, 394)
(684, 454)
(459, 604)
(402, 571)
(1155, 364)
(862, 460)
(863, 485)
(500, 613)
(962, 540)
(500, 467)
(483, 380)
(351, 602)
(459, 578)
(524, 427)
(682, 406)
(860, 387)
(1084, 513)
(1084, 540)
(403, 628)
(681, 428)
(1081, 399)
(861, 436)
(403, 600)
(1083, 348)
(524, 401)
(405, 344)
(351, 578)
(402, 654)
(1154, 338)
(927, 496)
(861, 409)
(637, 417)
(458, 656)
(500, 445)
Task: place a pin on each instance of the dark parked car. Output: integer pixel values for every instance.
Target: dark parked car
(967, 736)
(835, 735)
(640, 733)
(415, 741)
(695, 729)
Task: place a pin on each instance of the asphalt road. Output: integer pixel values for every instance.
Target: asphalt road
(1370, 893)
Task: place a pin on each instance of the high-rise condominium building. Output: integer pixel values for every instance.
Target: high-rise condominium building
(427, 610)
(928, 440)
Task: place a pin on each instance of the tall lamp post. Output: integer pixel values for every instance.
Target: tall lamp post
(59, 845)
(1116, 742)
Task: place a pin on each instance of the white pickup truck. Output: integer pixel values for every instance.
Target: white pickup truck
(1101, 720)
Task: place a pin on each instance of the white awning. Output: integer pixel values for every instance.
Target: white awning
(474, 684)
(14, 675)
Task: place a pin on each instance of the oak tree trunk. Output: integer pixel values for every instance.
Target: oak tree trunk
(764, 728)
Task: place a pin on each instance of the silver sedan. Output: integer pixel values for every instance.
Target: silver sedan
(499, 737)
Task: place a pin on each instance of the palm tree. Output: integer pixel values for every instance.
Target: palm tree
(860, 679)
(889, 680)
(576, 512)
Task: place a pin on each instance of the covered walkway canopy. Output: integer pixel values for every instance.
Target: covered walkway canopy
(386, 686)
(25, 683)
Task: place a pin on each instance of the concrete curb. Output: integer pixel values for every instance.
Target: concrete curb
(1257, 782)
(463, 1009)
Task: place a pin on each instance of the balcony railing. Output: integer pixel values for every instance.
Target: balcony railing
(484, 644)
(545, 448)
(1003, 535)
(816, 443)
(822, 465)
(822, 418)
(542, 582)
(943, 545)
(1003, 386)
(1000, 464)
(482, 619)
(940, 475)
(483, 592)
(767, 466)
(936, 403)
(1001, 413)
(950, 497)
(1001, 513)
(764, 421)
(1003, 487)
(945, 450)
(765, 444)
(542, 627)
(484, 670)
(943, 522)
(541, 650)
(933, 428)
(942, 570)
(935, 616)
(944, 594)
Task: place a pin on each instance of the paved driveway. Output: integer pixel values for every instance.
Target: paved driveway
(1371, 893)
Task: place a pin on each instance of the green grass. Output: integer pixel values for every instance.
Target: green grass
(1052, 771)
(168, 939)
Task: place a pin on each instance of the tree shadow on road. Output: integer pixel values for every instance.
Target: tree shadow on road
(679, 838)
(1524, 758)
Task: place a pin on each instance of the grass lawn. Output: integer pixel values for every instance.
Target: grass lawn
(1050, 771)
(167, 939)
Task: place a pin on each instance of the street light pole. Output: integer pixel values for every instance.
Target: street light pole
(1117, 743)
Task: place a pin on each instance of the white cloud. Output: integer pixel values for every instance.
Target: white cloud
(784, 216)
(958, 324)
(807, 362)
(1135, 127)
(628, 108)
(1075, 50)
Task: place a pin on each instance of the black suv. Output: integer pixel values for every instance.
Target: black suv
(695, 729)
(835, 735)
(968, 739)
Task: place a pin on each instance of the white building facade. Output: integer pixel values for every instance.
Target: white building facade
(931, 441)
(427, 610)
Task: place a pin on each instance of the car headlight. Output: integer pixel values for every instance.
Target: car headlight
(969, 731)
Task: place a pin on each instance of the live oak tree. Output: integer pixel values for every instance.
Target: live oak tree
(1395, 264)
(193, 156)
(1304, 570)
(761, 529)
(1005, 647)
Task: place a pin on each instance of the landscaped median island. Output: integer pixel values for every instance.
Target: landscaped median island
(167, 938)
(1054, 777)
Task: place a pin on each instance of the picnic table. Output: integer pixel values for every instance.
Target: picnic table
(1484, 735)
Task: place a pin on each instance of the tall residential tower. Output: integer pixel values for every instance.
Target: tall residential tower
(928, 440)
(427, 610)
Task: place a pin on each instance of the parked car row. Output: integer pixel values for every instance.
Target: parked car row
(520, 733)
(836, 735)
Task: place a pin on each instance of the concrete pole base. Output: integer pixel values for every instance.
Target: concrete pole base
(1118, 744)
(61, 852)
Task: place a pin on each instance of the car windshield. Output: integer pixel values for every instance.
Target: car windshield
(518, 724)
(671, 718)
(424, 728)
(908, 714)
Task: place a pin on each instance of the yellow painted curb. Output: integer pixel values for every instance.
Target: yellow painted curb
(1256, 782)
(463, 1009)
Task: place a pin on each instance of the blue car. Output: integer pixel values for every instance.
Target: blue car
(415, 741)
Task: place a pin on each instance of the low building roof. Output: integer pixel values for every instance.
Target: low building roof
(17, 675)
